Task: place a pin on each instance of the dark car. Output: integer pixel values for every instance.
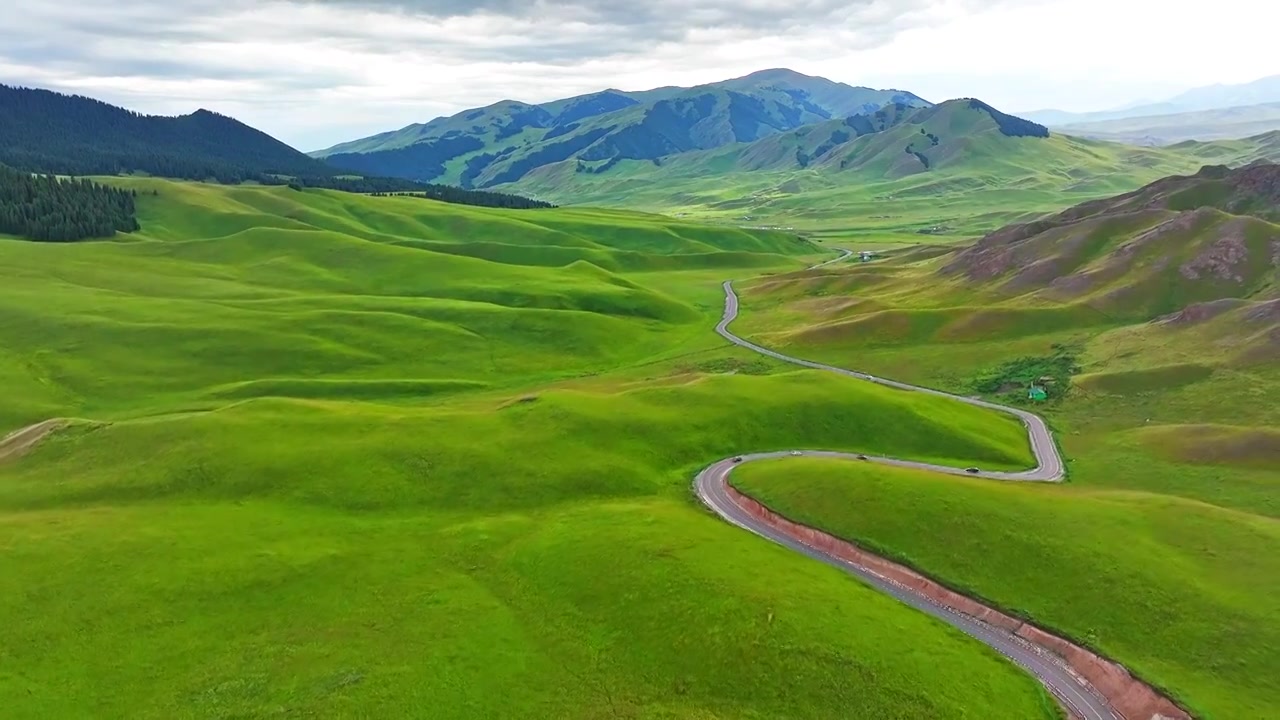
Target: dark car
(738, 459)
(972, 470)
(862, 457)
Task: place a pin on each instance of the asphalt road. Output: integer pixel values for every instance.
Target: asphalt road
(711, 485)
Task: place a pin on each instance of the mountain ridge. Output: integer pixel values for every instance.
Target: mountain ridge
(1209, 97)
(503, 142)
(1229, 123)
(46, 132)
(42, 130)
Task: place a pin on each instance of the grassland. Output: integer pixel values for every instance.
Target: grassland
(1159, 552)
(365, 457)
(1184, 592)
(984, 180)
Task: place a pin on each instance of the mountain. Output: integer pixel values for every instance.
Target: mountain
(1224, 123)
(1263, 90)
(44, 131)
(893, 142)
(504, 142)
(1211, 97)
(1167, 248)
(47, 132)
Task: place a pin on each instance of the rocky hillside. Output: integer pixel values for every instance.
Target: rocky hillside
(1180, 252)
(503, 143)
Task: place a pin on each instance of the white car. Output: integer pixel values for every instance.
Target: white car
(795, 453)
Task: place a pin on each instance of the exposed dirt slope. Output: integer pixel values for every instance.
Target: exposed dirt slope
(20, 442)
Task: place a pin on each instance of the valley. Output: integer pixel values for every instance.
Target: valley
(424, 426)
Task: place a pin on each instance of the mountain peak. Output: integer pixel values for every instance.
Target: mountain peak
(777, 74)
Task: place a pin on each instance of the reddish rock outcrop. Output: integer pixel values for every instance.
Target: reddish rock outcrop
(1128, 696)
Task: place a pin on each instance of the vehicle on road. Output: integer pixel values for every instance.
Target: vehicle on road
(738, 459)
(862, 457)
(972, 470)
(795, 453)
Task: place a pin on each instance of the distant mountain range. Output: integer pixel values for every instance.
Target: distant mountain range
(774, 144)
(1212, 97)
(506, 142)
(1155, 130)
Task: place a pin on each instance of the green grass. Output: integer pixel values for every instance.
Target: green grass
(902, 319)
(331, 460)
(980, 181)
(1160, 550)
(263, 610)
(1185, 594)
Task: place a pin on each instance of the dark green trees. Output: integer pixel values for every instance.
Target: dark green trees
(49, 209)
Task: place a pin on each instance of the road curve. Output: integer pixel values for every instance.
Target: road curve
(711, 486)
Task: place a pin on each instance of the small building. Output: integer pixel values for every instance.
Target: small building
(1037, 393)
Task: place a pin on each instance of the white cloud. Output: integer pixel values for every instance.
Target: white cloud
(314, 73)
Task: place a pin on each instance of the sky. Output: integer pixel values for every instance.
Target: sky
(314, 73)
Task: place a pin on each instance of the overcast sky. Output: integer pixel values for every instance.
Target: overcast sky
(314, 73)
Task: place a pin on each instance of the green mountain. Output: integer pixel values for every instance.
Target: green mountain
(44, 131)
(51, 133)
(505, 142)
(958, 168)
(982, 162)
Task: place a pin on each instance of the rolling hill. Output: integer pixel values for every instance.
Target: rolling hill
(325, 452)
(1152, 319)
(503, 143)
(1177, 242)
(1234, 152)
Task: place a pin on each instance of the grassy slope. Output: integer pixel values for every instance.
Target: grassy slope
(901, 319)
(335, 466)
(861, 191)
(980, 180)
(1184, 593)
(254, 285)
(1170, 437)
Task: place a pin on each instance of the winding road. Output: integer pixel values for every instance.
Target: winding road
(711, 485)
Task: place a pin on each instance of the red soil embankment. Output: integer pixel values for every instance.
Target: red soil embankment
(1129, 696)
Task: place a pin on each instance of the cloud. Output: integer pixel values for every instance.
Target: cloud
(392, 61)
(314, 72)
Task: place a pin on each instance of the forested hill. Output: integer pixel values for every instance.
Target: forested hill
(47, 132)
(43, 131)
(49, 209)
